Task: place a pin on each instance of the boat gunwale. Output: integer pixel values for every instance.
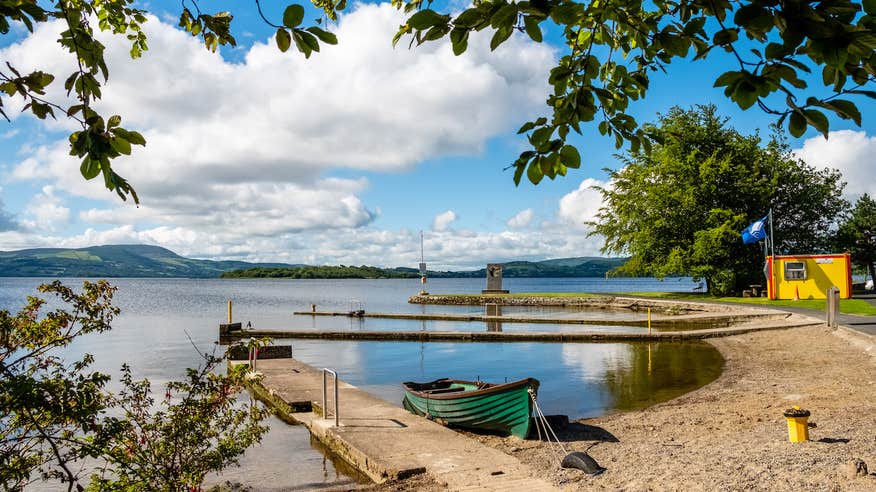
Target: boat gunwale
(496, 388)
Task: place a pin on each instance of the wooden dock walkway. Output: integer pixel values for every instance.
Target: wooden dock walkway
(384, 441)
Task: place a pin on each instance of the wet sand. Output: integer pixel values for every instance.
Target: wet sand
(731, 434)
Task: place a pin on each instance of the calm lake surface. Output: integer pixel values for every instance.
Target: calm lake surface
(580, 380)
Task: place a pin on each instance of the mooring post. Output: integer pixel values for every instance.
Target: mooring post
(832, 307)
(649, 326)
(229, 311)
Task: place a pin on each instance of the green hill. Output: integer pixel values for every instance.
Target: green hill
(122, 260)
(140, 260)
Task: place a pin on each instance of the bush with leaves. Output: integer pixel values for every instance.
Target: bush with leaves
(55, 414)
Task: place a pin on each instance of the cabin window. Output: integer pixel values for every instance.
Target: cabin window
(795, 270)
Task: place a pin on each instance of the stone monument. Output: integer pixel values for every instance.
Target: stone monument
(494, 279)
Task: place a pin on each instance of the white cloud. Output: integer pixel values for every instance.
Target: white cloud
(581, 205)
(852, 152)
(522, 219)
(46, 212)
(9, 133)
(243, 149)
(442, 221)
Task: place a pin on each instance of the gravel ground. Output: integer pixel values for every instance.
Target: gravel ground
(730, 434)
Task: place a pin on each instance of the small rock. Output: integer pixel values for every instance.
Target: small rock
(812, 424)
(853, 469)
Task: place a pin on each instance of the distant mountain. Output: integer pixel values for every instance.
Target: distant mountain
(140, 260)
(122, 260)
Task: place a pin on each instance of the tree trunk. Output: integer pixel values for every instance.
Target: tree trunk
(871, 268)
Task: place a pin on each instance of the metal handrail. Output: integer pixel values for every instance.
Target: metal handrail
(253, 355)
(325, 396)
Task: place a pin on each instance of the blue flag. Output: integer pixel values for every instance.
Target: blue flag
(755, 232)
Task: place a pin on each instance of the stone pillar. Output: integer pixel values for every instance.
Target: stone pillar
(494, 279)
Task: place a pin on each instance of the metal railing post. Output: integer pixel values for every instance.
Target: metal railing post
(325, 396)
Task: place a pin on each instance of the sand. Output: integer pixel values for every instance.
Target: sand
(731, 434)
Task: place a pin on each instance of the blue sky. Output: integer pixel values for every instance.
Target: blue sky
(343, 158)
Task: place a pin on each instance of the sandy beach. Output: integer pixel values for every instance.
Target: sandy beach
(731, 434)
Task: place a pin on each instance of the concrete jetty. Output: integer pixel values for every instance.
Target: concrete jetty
(384, 441)
(783, 322)
(677, 321)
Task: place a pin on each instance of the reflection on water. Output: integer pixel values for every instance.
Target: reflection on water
(580, 380)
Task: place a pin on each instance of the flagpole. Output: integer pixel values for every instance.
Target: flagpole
(773, 250)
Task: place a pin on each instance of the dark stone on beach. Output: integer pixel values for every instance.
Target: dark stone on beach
(583, 462)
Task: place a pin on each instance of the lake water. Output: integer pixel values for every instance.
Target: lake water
(580, 380)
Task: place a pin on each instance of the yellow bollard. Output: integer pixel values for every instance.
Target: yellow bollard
(798, 425)
(229, 311)
(649, 322)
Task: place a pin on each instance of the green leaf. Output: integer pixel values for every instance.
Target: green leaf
(869, 6)
(533, 172)
(324, 36)
(89, 168)
(818, 120)
(532, 29)
(459, 40)
(284, 39)
(121, 145)
(797, 124)
(468, 18)
(506, 16)
(570, 157)
(727, 78)
(114, 121)
(846, 109)
(293, 15)
(518, 173)
(725, 36)
(427, 18)
(529, 125)
(301, 44)
(308, 39)
(502, 34)
(541, 136)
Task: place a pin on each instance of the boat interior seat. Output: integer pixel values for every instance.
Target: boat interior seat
(443, 390)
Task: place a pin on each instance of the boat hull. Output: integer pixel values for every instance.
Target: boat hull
(501, 408)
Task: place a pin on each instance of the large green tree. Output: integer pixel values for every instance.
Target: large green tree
(857, 234)
(680, 208)
(612, 49)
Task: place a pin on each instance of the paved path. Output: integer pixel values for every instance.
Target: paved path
(385, 441)
(856, 322)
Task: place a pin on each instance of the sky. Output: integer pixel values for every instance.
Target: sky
(257, 155)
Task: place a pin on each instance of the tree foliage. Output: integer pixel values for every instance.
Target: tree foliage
(55, 414)
(857, 234)
(612, 48)
(680, 208)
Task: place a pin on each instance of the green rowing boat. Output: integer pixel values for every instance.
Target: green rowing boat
(503, 408)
